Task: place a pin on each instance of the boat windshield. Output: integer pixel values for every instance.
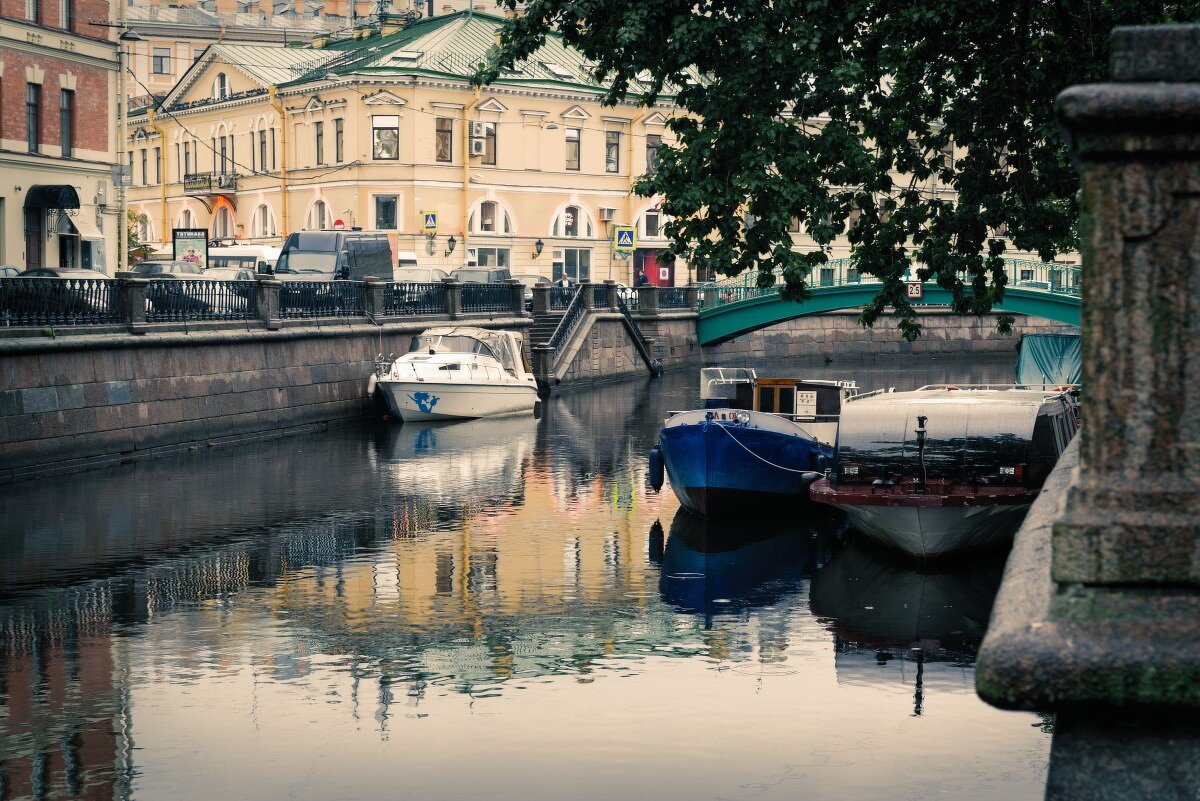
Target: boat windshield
(720, 383)
(441, 343)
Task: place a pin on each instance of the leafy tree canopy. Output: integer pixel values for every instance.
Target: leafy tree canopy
(838, 112)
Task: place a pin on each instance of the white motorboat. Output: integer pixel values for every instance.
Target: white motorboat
(458, 372)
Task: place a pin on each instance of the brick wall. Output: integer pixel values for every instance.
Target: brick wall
(92, 116)
(49, 16)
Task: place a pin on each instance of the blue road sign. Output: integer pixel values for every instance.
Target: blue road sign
(429, 222)
(624, 238)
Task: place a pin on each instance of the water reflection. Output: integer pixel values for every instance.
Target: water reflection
(370, 594)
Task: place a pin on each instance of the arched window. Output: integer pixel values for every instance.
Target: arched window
(489, 217)
(573, 222)
(220, 87)
(263, 224)
(145, 231)
(318, 218)
(187, 219)
(222, 225)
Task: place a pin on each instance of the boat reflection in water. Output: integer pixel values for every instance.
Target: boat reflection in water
(716, 566)
(892, 621)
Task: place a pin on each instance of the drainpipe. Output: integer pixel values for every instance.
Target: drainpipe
(162, 171)
(283, 127)
(466, 151)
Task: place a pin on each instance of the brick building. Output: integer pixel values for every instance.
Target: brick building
(57, 139)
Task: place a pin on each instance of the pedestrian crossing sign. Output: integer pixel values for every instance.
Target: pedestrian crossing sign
(624, 238)
(429, 222)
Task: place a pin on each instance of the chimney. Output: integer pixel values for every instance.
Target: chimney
(320, 40)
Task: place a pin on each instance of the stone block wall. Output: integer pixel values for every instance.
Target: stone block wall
(605, 354)
(675, 340)
(86, 401)
(838, 336)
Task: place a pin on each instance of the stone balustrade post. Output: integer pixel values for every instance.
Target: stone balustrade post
(130, 300)
(612, 294)
(1106, 631)
(268, 301)
(375, 289)
(541, 299)
(453, 298)
(691, 296)
(589, 296)
(647, 300)
(543, 368)
(516, 297)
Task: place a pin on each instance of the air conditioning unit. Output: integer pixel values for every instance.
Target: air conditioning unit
(477, 130)
(478, 147)
(607, 214)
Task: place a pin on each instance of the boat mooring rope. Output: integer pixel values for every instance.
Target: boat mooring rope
(756, 456)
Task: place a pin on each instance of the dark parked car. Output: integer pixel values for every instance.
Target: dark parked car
(481, 275)
(166, 294)
(77, 293)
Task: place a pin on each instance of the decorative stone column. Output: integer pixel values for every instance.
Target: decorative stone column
(130, 301)
(267, 301)
(1103, 627)
(589, 296)
(453, 298)
(541, 299)
(647, 300)
(611, 287)
(691, 296)
(374, 288)
(516, 298)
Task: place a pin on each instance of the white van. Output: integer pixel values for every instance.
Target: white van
(256, 258)
(407, 260)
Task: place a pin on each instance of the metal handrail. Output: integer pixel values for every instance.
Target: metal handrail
(639, 339)
(569, 319)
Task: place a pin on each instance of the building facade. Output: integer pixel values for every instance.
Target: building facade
(383, 131)
(57, 140)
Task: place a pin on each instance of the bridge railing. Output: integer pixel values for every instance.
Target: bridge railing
(1064, 279)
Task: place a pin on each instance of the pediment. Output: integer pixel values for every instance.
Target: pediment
(655, 119)
(576, 113)
(492, 104)
(314, 104)
(384, 98)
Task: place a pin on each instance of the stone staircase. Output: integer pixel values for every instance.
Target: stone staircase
(543, 327)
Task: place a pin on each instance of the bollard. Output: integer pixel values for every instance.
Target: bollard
(268, 301)
(131, 300)
(1106, 632)
(647, 300)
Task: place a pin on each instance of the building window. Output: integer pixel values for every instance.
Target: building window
(572, 148)
(66, 17)
(33, 10)
(157, 165)
(222, 227)
(652, 225)
(385, 212)
(573, 223)
(264, 222)
(319, 138)
(66, 122)
(575, 264)
(444, 140)
(220, 87)
(489, 143)
(612, 151)
(178, 164)
(653, 142)
(224, 154)
(385, 137)
(262, 150)
(273, 148)
(339, 141)
(318, 216)
(490, 218)
(145, 172)
(33, 115)
(160, 61)
(492, 258)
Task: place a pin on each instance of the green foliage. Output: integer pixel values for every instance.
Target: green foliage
(133, 237)
(837, 112)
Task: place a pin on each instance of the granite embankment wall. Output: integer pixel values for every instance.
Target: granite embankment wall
(607, 351)
(839, 337)
(85, 401)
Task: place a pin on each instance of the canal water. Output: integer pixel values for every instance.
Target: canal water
(495, 609)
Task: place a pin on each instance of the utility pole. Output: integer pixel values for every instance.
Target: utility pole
(122, 138)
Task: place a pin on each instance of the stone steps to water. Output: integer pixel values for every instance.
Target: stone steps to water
(543, 327)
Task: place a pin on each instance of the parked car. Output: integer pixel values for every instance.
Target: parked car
(166, 296)
(418, 275)
(481, 275)
(78, 293)
(7, 271)
(335, 256)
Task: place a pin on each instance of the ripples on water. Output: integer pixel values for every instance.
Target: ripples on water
(488, 609)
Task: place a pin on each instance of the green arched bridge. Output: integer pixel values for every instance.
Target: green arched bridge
(736, 306)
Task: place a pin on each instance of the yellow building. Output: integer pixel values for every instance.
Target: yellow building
(383, 129)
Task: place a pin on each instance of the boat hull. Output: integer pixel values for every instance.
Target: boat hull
(413, 401)
(724, 467)
(930, 527)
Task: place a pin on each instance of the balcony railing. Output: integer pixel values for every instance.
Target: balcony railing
(207, 183)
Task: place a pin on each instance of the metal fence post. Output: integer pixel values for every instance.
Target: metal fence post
(268, 301)
(130, 302)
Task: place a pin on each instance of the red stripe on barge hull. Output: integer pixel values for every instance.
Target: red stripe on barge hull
(822, 492)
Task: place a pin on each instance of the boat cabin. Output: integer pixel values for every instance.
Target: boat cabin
(503, 346)
(802, 399)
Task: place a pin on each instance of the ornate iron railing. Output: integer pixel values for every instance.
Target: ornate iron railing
(486, 297)
(322, 299)
(600, 296)
(57, 301)
(414, 299)
(204, 183)
(671, 297)
(180, 300)
(561, 297)
(566, 325)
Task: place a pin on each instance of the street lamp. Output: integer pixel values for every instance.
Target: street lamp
(537, 248)
(450, 243)
(122, 135)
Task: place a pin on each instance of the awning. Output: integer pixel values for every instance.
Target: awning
(85, 224)
(52, 196)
